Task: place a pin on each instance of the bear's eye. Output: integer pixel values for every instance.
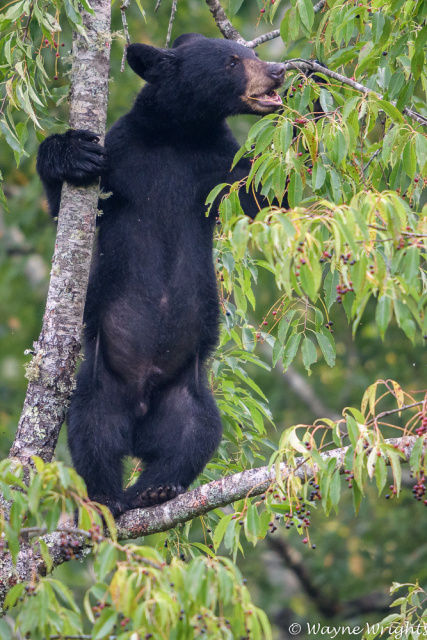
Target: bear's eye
(233, 62)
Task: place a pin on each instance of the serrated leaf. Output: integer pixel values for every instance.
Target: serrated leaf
(353, 430)
(327, 349)
(291, 349)
(220, 530)
(295, 190)
(44, 550)
(105, 624)
(383, 314)
(286, 135)
(305, 10)
(309, 353)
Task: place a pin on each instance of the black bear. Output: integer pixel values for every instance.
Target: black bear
(152, 310)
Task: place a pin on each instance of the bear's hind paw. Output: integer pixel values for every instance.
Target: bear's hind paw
(152, 496)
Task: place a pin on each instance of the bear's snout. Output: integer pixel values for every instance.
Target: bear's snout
(276, 71)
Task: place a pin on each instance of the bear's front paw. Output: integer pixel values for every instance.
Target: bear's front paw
(152, 496)
(74, 157)
(84, 159)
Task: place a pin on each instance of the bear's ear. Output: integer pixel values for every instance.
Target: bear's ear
(148, 62)
(187, 37)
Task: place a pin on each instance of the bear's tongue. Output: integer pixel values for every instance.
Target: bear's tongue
(269, 98)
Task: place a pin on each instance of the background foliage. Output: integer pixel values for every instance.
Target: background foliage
(335, 287)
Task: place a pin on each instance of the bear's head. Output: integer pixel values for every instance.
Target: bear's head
(206, 78)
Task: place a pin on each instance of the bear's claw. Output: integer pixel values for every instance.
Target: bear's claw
(152, 496)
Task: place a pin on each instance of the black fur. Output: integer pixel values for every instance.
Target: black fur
(152, 312)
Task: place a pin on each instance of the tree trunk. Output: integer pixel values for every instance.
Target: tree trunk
(51, 371)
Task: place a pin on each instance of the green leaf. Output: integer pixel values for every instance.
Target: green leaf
(203, 548)
(295, 190)
(353, 430)
(305, 10)
(106, 559)
(391, 110)
(220, 530)
(234, 7)
(416, 454)
(286, 135)
(278, 350)
(285, 324)
(380, 473)
(214, 194)
(417, 62)
(327, 349)
(13, 596)
(383, 314)
(105, 624)
(309, 353)
(44, 550)
(326, 100)
(335, 489)
(289, 27)
(421, 149)
(5, 631)
(252, 524)
(330, 288)
(319, 175)
(378, 22)
(11, 138)
(291, 349)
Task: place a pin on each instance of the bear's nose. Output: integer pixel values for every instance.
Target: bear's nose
(276, 70)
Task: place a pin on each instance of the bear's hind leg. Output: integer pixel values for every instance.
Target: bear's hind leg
(98, 434)
(175, 440)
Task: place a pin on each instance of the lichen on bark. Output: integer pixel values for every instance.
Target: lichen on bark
(51, 371)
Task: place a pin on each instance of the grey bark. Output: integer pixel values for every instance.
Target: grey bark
(51, 370)
(142, 522)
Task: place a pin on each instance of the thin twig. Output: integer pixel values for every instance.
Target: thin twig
(311, 65)
(251, 44)
(377, 152)
(392, 411)
(123, 8)
(30, 15)
(230, 33)
(171, 19)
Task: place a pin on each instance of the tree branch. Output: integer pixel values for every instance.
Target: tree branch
(311, 65)
(51, 370)
(230, 33)
(143, 522)
(223, 23)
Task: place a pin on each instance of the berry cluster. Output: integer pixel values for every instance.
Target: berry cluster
(349, 477)
(342, 289)
(419, 490)
(303, 516)
(421, 430)
(70, 547)
(55, 46)
(291, 95)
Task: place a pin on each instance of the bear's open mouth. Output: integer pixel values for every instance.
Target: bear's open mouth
(268, 99)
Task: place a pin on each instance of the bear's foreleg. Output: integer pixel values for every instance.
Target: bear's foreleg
(74, 157)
